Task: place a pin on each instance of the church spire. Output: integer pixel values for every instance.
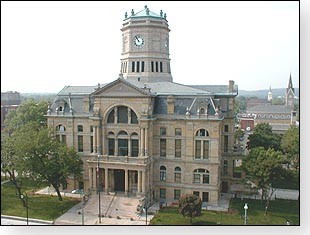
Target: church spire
(290, 93)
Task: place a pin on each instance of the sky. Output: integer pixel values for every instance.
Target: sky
(48, 45)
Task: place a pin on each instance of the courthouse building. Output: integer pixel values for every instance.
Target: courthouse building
(150, 136)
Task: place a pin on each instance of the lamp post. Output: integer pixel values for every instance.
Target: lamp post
(24, 195)
(245, 210)
(99, 215)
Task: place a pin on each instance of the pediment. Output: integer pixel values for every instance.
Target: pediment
(121, 88)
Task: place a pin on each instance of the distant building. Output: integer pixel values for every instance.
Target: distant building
(9, 101)
(280, 117)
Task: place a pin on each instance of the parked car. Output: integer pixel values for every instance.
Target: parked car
(77, 191)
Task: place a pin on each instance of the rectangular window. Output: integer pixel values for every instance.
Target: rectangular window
(142, 66)
(132, 66)
(122, 147)
(156, 66)
(138, 66)
(134, 148)
(177, 177)
(178, 131)
(162, 175)
(237, 170)
(196, 193)
(80, 143)
(225, 143)
(162, 131)
(152, 66)
(196, 178)
(91, 129)
(111, 146)
(177, 194)
(80, 128)
(162, 193)
(225, 167)
(225, 128)
(205, 178)
(91, 144)
(63, 139)
(162, 146)
(205, 196)
(205, 149)
(178, 144)
(197, 149)
(161, 66)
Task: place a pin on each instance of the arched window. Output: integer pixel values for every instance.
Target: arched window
(60, 128)
(162, 173)
(177, 174)
(122, 114)
(60, 108)
(201, 176)
(202, 144)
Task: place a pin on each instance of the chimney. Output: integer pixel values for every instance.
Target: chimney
(231, 86)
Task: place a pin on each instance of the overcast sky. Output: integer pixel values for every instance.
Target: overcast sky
(47, 45)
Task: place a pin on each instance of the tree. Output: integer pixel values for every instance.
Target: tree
(263, 137)
(45, 159)
(28, 111)
(190, 206)
(263, 167)
(290, 146)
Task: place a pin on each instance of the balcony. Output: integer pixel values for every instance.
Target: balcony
(123, 159)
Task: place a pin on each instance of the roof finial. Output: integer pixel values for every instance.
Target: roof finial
(165, 15)
(126, 15)
(145, 6)
(147, 11)
(132, 12)
(161, 13)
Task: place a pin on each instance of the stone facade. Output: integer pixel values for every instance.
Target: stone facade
(143, 134)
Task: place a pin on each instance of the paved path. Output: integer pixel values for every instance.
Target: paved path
(15, 220)
(115, 210)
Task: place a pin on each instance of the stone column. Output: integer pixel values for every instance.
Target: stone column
(115, 115)
(126, 182)
(106, 181)
(143, 181)
(98, 140)
(94, 178)
(142, 142)
(139, 181)
(94, 139)
(129, 147)
(116, 147)
(90, 177)
(129, 115)
(146, 142)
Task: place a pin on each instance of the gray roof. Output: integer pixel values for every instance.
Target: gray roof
(170, 88)
(77, 90)
(268, 108)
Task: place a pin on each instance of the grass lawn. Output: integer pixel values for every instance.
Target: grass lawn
(278, 213)
(43, 207)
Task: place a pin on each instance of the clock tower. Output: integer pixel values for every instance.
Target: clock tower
(145, 50)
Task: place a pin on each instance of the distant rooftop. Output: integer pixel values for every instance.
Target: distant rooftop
(268, 108)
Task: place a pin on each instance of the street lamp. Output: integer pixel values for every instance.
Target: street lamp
(245, 209)
(98, 188)
(22, 196)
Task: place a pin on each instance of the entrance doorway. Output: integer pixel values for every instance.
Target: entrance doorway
(119, 180)
(224, 186)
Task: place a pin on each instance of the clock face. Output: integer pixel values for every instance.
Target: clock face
(138, 40)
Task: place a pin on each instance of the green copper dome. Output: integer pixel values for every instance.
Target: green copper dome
(145, 13)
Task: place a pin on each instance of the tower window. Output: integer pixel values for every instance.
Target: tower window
(142, 66)
(152, 66)
(132, 66)
(161, 66)
(156, 66)
(138, 67)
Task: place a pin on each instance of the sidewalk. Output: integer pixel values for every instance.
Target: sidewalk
(15, 220)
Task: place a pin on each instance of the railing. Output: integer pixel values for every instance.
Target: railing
(123, 159)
